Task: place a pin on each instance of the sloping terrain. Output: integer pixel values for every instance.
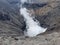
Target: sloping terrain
(10, 20)
(49, 15)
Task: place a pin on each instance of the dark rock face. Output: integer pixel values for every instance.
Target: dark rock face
(34, 5)
(4, 17)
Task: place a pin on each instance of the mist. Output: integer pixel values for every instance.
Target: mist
(33, 27)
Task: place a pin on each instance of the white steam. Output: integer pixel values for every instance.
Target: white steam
(32, 26)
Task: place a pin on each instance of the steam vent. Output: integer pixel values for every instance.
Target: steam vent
(29, 22)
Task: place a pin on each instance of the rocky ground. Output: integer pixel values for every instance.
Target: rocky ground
(12, 26)
(45, 39)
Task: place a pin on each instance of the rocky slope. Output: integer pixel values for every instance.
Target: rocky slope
(49, 15)
(10, 20)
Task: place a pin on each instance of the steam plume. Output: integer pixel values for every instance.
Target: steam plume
(32, 26)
